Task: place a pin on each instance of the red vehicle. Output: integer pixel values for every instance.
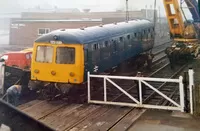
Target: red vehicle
(21, 59)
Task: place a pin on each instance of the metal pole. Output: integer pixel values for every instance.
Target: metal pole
(185, 92)
(191, 86)
(127, 12)
(146, 11)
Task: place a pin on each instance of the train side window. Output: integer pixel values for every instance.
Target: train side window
(121, 39)
(96, 46)
(86, 55)
(152, 34)
(139, 36)
(101, 45)
(135, 34)
(115, 45)
(149, 36)
(106, 43)
(128, 37)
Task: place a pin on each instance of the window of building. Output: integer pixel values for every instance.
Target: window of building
(42, 31)
(44, 54)
(65, 55)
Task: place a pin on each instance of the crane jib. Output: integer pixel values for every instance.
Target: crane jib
(193, 7)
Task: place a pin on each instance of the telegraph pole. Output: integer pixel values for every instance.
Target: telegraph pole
(127, 12)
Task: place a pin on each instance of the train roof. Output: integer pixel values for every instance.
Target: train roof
(95, 33)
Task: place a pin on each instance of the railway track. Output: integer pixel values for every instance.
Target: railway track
(63, 116)
(84, 117)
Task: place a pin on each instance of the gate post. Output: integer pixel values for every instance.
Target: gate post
(191, 86)
(2, 75)
(181, 91)
(185, 84)
(88, 82)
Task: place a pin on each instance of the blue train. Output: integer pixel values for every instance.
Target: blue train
(66, 55)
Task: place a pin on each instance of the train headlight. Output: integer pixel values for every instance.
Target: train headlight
(71, 74)
(53, 73)
(36, 71)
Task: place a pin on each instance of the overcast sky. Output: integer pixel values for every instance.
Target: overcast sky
(94, 5)
(98, 4)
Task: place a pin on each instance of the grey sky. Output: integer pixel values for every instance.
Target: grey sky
(99, 4)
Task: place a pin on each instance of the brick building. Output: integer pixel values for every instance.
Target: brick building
(33, 24)
(24, 32)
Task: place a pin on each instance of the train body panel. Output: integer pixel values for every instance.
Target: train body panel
(96, 49)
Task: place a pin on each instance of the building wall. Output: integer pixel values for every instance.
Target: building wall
(92, 15)
(26, 33)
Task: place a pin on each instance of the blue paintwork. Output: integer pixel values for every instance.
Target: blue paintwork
(95, 33)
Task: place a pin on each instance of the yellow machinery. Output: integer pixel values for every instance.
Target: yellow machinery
(184, 34)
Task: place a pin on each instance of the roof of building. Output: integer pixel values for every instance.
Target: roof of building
(57, 20)
(95, 33)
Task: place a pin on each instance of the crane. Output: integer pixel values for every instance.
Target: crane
(183, 33)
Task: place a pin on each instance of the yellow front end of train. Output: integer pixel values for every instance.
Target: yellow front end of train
(59, 63)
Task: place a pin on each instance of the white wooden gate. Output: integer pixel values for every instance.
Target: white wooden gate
(138, 103)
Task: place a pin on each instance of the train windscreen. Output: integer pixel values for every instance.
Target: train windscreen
(44, 54)
(65, 55)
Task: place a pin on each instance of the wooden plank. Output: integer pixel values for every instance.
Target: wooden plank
(127, 121)
(84, 125)
(29, 104)
(103, 121)
(63, 121)
(44, 108)
(67, 110)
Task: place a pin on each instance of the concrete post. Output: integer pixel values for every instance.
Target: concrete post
(191, 86)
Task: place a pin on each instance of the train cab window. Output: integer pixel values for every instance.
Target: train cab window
(65, 55)
(44, 54)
